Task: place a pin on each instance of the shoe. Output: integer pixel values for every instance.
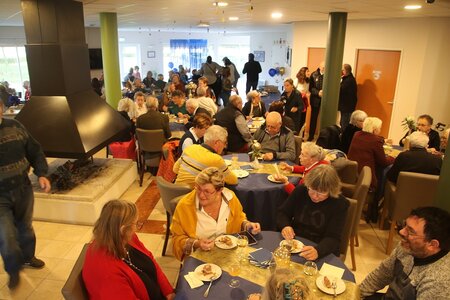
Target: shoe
(35, 263)
(14, 280)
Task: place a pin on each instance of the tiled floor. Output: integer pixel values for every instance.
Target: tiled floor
(59, 245)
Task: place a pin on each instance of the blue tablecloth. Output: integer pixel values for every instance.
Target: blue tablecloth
(270, 98)
(174, 126)
(259, 197)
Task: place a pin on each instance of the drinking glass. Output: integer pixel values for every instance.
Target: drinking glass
(234, 162)
(282, 257)
(242, 242)
(310, 268)
(235, 270)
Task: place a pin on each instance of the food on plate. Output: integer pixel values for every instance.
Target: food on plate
(226, 240)
(327, 282)
(207, 270)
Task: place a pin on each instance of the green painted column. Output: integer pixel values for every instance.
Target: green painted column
(443, 194)
(110, 53)
(337, 23)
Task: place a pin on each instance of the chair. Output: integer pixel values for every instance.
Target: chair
(330, 137)
(413, 190)
(298, 148)
(347, 230)
(170, 195)
(360, 195)
(74, 288)
(348, 174)
(150, 144)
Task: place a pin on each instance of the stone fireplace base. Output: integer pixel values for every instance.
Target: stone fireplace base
(83, 204)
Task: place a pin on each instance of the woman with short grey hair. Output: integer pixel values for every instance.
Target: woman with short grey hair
(315, 211)
(356, 123)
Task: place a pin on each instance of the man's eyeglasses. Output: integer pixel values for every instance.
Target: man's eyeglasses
(409, 231)
(317, 193)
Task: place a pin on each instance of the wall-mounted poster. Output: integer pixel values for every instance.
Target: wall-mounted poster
(260, 56)
(151, 54)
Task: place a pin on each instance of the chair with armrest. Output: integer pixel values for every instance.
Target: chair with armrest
(298, 148)
(170, 195)
(347, 230)
(413, 190)
(149, 149)
(360, 195)
(74, 288)
(348, 174)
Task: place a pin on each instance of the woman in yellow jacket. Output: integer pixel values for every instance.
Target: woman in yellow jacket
(208, 211)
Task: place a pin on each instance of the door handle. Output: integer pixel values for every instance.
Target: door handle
(390, 102)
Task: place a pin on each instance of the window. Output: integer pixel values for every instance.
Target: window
(13, 67)
(189, 53)
(130, 56)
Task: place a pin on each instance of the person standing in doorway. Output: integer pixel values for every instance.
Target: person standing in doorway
(347, 95)
(252, 68)
(315, 87)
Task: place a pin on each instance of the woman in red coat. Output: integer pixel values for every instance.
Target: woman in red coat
(117, 264)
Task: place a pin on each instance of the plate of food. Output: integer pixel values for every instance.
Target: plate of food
(227, 162)
(325, 284)
(206, 272)
(271, 179)
(240, 173)
(258, 119)
(297, 246)
(226, 242)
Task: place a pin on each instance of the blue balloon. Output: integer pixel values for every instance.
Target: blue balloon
(171, 65)
(272, 72)
(175, 70)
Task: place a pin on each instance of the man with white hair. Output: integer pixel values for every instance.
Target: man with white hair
(193, 109)
(153, 119)
(417, 159)
(206, 102)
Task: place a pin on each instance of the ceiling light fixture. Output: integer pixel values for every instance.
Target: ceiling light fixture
(412, 7)
(221, 4)
(276, 15)
(203, 24)
(233, 18)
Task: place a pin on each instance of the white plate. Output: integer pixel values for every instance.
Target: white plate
(339, 289)
(240, 173)
(221, 245)
(227, 162)
(298, 246)
(258, 119)
(216, 272)
(270, 178)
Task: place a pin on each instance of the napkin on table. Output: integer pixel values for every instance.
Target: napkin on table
(331, 271)
(193, 281)
(261, 256)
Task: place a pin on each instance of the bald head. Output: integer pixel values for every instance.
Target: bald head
(273, 122)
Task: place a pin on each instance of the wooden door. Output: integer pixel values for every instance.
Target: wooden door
(376, 75)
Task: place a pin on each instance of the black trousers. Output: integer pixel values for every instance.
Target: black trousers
(313, 122)
(251, 85)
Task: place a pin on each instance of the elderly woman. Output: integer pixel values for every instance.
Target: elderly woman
(311, 156)
(293, 103)
(125, 107)
(254, 107)
(356, 123)
(117, 264)
(315, 211)
(208, 211)
(195, 134)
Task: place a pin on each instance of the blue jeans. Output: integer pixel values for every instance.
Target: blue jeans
(17, 238)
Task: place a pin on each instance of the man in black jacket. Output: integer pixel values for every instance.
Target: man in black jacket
(315, 87)
(252, 68)
(347, 95)
(153, 119)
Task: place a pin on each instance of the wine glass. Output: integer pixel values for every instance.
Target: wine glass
(310, 268)
(242, 242)
(235, 270)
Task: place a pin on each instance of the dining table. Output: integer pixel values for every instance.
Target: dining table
(252, 278)
(260, 197)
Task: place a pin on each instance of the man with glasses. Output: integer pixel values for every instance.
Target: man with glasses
(277, 142)
(419, 267)
(424, 123)
(195, 158)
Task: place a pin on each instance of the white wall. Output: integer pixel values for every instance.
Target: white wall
(423, 82)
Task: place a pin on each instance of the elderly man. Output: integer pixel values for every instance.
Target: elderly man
(347, 95)
(153, 119)
(419, 268)
(195, 158)
(206, 102)
(424, 123)
(193, 109)
(19, 151)
(416, 159)
(277, 142)
(315, 87)
(232, 118)
(356, 123)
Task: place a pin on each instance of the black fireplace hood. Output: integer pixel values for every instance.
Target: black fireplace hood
(64, 114)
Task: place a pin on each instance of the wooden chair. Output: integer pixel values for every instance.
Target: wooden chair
(170, 195)
(74, 288)
(347, 230)
(298, 148)
(348, 173)
(360, 195)
(413, 190)
(149, 149)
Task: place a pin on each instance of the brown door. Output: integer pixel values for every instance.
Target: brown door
(376, 75)
(315, 57)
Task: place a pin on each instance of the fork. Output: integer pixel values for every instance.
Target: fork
(334, 286)
(209, 286)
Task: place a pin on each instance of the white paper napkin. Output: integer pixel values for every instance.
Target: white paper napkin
(331, 271)
(193, 281)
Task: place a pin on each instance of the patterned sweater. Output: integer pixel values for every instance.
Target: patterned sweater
(18, 150)
(410, 278)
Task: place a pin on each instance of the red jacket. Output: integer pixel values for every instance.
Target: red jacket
(301, 169)
(107, 277)
(367, 149)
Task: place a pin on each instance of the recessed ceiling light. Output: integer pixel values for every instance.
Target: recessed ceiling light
(411, 7)
(277, 15)
(221, 4)
(233, 18)
(203, 24)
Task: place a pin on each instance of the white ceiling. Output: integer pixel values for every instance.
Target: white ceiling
(254, 15)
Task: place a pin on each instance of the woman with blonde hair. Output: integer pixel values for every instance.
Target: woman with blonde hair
(117, 264)
(208, 211)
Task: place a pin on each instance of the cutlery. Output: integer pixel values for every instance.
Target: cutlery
(334, 286)
(214, 277)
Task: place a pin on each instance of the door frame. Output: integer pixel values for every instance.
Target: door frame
(400, 63)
